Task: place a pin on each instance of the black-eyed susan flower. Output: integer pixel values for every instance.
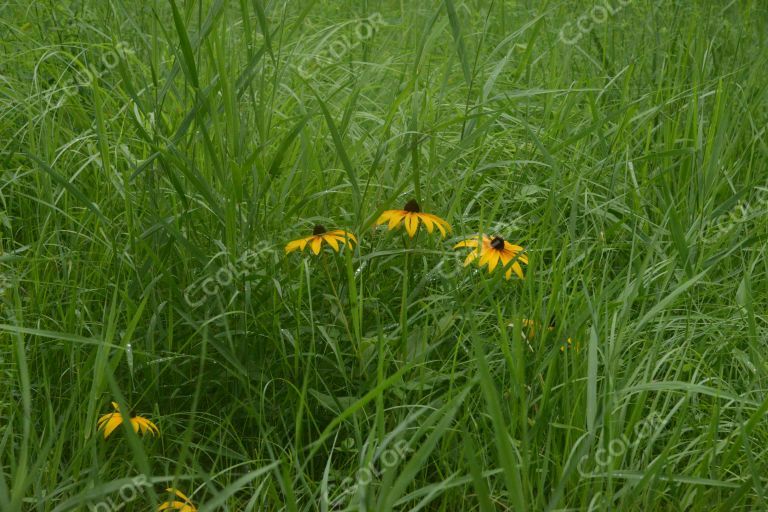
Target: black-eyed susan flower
(320, 235)
(410, 216)
(184, 506)
(110, 421)
(490, 251)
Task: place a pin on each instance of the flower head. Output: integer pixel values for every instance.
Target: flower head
(110, 421)
(182, 506)
(531, 326)
(410, 216)
(320, 235)
(569, 345)
(490, 251)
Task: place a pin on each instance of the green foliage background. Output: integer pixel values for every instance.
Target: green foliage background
(156, 156)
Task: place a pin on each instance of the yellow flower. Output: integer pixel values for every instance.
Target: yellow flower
(492, 251)
(110, 421)
(183, 506)
(531, 326)
(410, 216)
(320, 235)
(568, 345)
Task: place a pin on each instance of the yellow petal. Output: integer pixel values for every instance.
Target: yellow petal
(513, 255)
(493, 260)
(428, 223)
(115, 406)
(505, 257)
(470, 242)
(332, 241)
(172, 505)
(179, 494)
(441, 224)
(516, 251)
(411, 224)
(484, 257)
(103, 420)
(144, 424)
(527, 323)
(339, 238)
(517, 269)
(384, 217)
(296, 244)
(470, 258)
(317, 241)
(395, 218)
(343, 234)
(111, 425)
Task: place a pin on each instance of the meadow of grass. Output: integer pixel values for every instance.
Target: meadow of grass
(156, 157)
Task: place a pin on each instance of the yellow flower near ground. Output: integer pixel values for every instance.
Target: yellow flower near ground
(110, 421)
(183, 506)
(490, 251)
(569, 345)
(531, 326)
(320, 235)
(410, 216)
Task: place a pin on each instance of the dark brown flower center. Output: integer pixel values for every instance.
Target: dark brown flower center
(319, 229)
(412, 206)
(497, 243)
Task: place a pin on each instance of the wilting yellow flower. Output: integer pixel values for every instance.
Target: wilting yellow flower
(531, 326)
(183, 506)
(569, 344)
(491, 251)
(320, 235)
(410, 216)
(110, 421)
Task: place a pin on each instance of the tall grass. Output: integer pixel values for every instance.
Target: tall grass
(151, 149)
